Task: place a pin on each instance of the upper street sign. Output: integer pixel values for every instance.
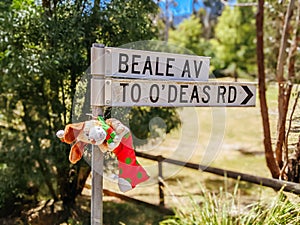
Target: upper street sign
(129, 63)
(135, 92)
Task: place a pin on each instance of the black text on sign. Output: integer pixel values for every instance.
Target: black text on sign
(177, 94)
(156, 65)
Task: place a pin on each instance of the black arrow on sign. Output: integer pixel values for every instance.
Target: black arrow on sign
(249, 95)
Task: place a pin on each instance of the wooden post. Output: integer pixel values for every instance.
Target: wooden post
(160, 183)
(97, 103)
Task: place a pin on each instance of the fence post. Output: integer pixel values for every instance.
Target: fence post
(160, 183)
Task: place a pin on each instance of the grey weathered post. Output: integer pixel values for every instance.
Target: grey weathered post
(97, 187)
(97, 71)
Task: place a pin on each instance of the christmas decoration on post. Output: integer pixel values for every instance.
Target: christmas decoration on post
(109, 135)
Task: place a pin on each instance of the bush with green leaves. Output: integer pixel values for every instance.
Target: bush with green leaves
(225, 208)
(44, 52)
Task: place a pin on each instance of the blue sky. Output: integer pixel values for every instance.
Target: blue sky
(183, 7)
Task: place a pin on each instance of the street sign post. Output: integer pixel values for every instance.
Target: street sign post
(153, 79)
(97, 155)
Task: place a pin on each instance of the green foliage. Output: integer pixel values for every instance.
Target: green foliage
(234, 43)
(4, 5)
(146, 123)
(18, 78)
(224, 208)
(43, 54)
(273, 26)
(232, 48)
(10, 189)
(127, 21)
(208, 208)
(188, 35)
(153, 123)
(279, 210)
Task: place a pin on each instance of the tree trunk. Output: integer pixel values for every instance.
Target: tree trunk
(283, 43)
(293, 173)
(270, 159)
(46, 173)
(46, 4)
(293, 163)
(68, 185)
(83, 174)
(284, 93)
(284, 90)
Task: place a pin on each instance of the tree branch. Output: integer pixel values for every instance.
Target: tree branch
(283, 43)
(285, 89)
(271, 162)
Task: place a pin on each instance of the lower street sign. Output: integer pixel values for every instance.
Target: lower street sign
(136, 92)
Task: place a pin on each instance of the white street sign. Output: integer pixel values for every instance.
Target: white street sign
(135, 92)
(129, 63)
(169, 80)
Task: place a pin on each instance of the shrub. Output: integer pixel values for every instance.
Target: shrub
(225, 208)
